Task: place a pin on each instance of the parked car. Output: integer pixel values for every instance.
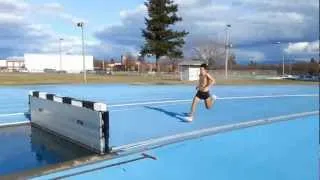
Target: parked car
(50, 70)
(62, 72)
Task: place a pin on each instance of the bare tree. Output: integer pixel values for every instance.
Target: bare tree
(232, 60)
(129, 60)
(211, 52)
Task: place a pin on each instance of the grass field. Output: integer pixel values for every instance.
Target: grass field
(52, 78)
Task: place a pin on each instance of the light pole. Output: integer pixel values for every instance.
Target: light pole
(290, 64)
(282, 58)
(289, 61)
(227, 44)
(60, 52)
(81, 24)
(282, 64)
(103, 65)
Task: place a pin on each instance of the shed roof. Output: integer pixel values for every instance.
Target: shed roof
(191, 63)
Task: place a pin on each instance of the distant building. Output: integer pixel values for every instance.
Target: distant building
(53, 62)
(15, 65)
(189, 70)
(111, 65)
(3, 63)
(12, 65)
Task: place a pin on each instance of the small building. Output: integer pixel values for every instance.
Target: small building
(3, 63)
(12, 65)
(15, 65)
(189, 70)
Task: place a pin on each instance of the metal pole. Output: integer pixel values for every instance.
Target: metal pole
(83, 55)
(290, 65)
(283, 65)
(279, 43)
(227, 51)
(60, 65)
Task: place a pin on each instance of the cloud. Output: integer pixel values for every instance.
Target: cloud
(15, 58)
(20, 35)
(124, 37)
(253, 22)
(56, 10)
(303, 48)
(246, 55)
(12, 6)
(56, 7)
(10, 18)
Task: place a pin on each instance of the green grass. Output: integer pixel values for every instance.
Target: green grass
(52, 78)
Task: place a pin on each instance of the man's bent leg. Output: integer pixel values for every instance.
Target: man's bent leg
(208, 102)
(193, 106)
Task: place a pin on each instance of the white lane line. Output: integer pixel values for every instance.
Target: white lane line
(14, 123)
(152, 143)
(219, 98)
(149, 103)
(271, 96)
(137, 108)
(143, 100)
(181, 101)
(11, 114)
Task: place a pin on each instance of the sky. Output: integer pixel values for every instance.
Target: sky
(113, 28)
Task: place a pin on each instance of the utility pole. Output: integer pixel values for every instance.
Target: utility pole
(227, 46)
(283, 65)
(279, 43)
(103, 65)
(81, 24)
(60, 52)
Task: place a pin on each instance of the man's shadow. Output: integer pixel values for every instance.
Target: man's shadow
(179, 116)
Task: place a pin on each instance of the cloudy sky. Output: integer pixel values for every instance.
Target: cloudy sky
(114, 27)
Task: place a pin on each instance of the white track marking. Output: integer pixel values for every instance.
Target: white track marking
(14, 123)
(271, 96)
(149, 103)
(181, 101)
(151, 143)
(11, 114)
(143, 100)
(137, 108)
(218, 98)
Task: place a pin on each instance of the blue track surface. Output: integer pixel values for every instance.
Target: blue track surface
(286, 150)
(140, 113)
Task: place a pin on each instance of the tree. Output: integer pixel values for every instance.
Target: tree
(141, 59)
(313, 67)
(160, 40)
(252, 63)
(212, 53)
(232, 60)
(312, 60)
(129, 61)
(97, 64)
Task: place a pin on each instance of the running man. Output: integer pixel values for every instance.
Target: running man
(205, 81)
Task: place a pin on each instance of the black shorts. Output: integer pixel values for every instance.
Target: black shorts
(203, 95)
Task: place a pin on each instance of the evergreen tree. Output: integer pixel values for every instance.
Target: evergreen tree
(160, 39)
